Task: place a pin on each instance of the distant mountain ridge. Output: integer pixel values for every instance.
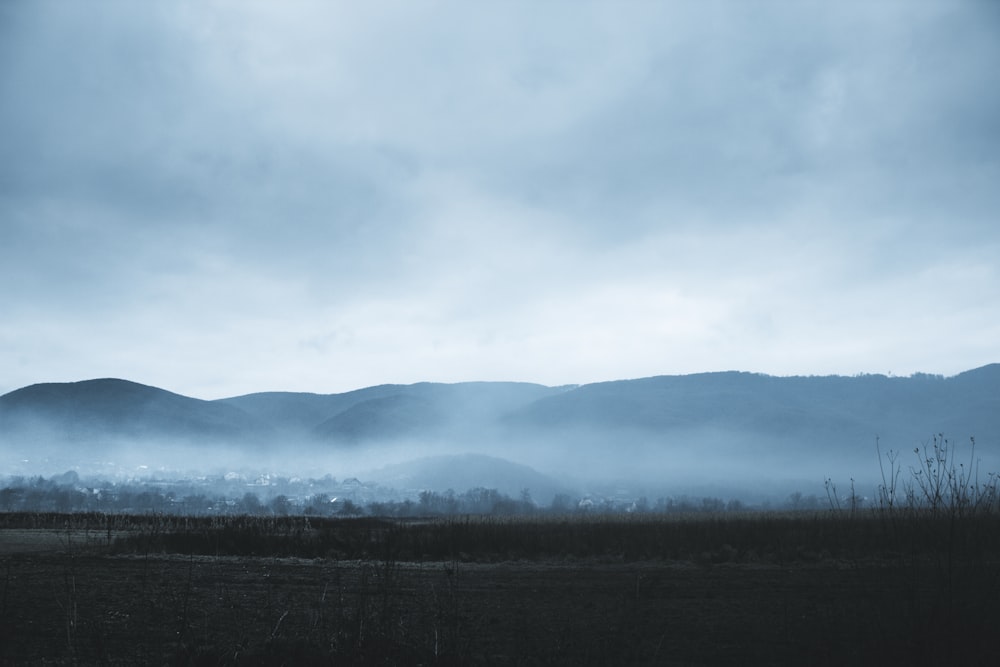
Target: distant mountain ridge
(807, 413)
(110, 406)
(390, 410)
(798, 405)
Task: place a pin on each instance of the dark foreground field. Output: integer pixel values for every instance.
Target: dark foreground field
(832, 589)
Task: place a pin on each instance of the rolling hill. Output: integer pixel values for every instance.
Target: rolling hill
(815, 408)
(113, 408)
(704, 417)
(465, 471)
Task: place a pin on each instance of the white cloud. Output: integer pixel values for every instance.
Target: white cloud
(222, 197)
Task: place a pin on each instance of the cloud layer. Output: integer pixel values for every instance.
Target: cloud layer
(225, 197)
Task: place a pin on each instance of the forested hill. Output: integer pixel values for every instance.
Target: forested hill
(821, 410)
(812, 408)
(102, 408)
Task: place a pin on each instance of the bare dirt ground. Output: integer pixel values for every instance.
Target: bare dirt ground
(815, 591)
(66, 607)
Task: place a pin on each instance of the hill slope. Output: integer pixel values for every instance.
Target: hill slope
(785, 407)
(112, 408)
(748, 422)
(466, 471)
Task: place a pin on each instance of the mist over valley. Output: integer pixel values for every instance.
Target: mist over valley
(728, 435)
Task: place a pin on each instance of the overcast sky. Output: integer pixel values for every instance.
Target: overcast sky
(225, 197)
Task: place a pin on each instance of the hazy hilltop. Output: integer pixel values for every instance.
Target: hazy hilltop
(427, 410)
(113, 408)
(467, 471)
(731, 424)
(817, 408)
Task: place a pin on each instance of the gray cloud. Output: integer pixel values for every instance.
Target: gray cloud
(223, 197)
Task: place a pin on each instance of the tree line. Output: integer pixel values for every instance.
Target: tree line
(66, 493)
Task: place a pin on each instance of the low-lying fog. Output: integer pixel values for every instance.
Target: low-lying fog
(625, 465)
(734, 436)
